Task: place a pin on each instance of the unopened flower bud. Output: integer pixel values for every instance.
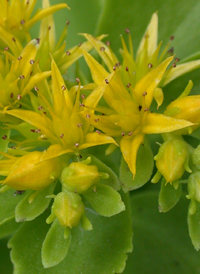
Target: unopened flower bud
(68, 208)
(79, 177)
(29, 173)
(196, 157)
(171, 160)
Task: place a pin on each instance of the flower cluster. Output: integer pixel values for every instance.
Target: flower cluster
(51, 125)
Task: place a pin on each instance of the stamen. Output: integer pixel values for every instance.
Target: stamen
(14, 40)
(80, 44)
(98, 131)
(32, 130)
(150, 65)
(83, 96)
(36, 89)
(108, 43)
(76, 145)
(38, 130)
(19, 58)
(40, 107)
(67, 22)
(62, 135)
(140, 108)
(146, 109)
(102, 49)
(130, 133)
(79, 125)
(22, 21)
(21, 77)
(68, 52)
(174, 65)
(19, 97)
(11, 95)
(123, 134)
(172, 37)
(77, 80)
(32, 62)
(128, 86)
(106, 80)
(6, 48)
(63, 87)
(81, 105)
(127, 69)
(4, 137)
(96, 120)
(38, 40)
(177, 59)
(144, 93)
(88, 116)
(127, 30)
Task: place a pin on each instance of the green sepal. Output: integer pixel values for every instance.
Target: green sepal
(168, 196)
(26, 211)
(8, 202)
(55, 246)
(194, 226)
(144, 169)
(105, 200)
(7, 229)
(113, 180)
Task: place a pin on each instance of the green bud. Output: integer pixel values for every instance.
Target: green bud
(68, 208)
(79, 177)
(172, 159)
(196, 157)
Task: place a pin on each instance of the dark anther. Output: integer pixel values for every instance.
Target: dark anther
(174, 65)
(150, 65)
(96, 120)
(37, 130)
(98, 131)
(11, 95)
(6, 48)
(40, 107)
(106, 80)
(144, 93)
(4, 137)
(62, 135)
(171, 50)
(140, 108)
(130, 133)
(32, 130)
(108, 43)
(146, 109)
(127, 69)
(127, 30)
(19, 97)
(38, 40)
(83, 96)
(88, 116)
(19, 58)
(63, 87)
(14, 40)
(67, 22)
(19, 192)
(129, 84)
(31, 62)
(21, 77)
(102, 49)
(68, 52)
(77, 80)
(76, 145)
(36, 89)
(22, 21)
(79, 125)
(123, 134)
(172, 37)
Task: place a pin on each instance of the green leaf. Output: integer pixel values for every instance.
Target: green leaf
(194, 227)
(8, 202)
(4, 142)
(8, 228)
(102, 250)
(5, 263)
(168, 196)
(144, 169)
(105, 200)
(55, 247)
(161, 241)
(113, 180)
(26, 211)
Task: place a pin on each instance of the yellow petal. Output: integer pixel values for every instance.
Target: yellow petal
(43, 13)
(54, 151)
(159, 123)
(129, 147)
(158, 96)
(5, 166)
(149, 82)
(59, 91)
(181, 70)
(95, 139)
(7, 38)
(151, 34)
(107, 55)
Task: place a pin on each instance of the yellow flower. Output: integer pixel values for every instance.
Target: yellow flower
(18, 76)
(128, 116)
(15, 21)
(61, 123)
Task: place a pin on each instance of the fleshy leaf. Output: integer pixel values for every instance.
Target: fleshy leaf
(144, 169)
(55, 246)
(26, 211)
(113, 180)
(161, 241)
(7, 209)
(105, 200)
(83, 255)
(8, 228)
(168, 196)
(194, 227)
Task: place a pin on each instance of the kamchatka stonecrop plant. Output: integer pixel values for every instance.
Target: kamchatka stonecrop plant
(52, 168)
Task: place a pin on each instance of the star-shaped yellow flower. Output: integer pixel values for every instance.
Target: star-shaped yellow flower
(127, 115)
